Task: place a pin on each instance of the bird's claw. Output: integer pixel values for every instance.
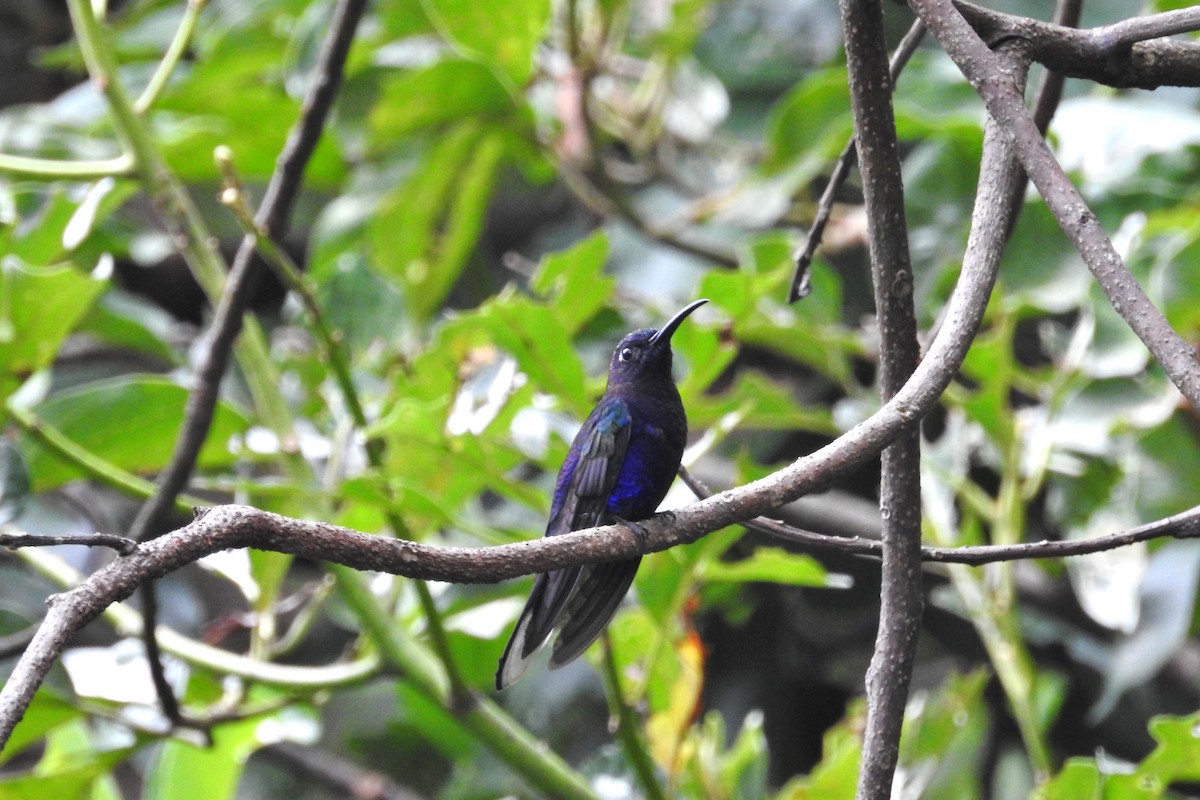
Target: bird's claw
(637, 529)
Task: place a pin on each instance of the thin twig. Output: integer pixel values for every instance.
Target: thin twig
(1153, 26)
(344, 776)
(1184, 525)
(841, 171)
(1046, 98)
(606, 200)
(13, 541)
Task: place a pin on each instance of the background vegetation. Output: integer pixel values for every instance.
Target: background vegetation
(500, 192)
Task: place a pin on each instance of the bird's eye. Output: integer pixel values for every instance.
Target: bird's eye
(626, 354)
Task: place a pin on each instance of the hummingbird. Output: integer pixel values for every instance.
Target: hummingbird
(618, 469)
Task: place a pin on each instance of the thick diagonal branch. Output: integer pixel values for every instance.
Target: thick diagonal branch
(1006, 105)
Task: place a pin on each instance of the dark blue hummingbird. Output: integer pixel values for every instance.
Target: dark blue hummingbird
(618, 470)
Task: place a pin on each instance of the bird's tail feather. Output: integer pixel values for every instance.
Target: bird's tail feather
(598, 594)
(551, 591)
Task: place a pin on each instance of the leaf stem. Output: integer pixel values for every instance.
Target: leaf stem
(179, 45)
(55, 169)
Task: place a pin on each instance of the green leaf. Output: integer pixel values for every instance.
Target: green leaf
(1176, 759)
(39, 241)
(232, 95)
(427, 227)
(1177, 756)
(1040, 268)
(14, 483)
(769, 253)
(45, 713)
(769, 564)
(810, 123)
(762, 405)
(184, 771)
(38, 308)
(70, 783)
(447, 91)
(927, 102)
(952, 723)
(71, 767)
(131, 422)
(504, 35)
(542, 346)
(103, 197)
(1078, 780)
(810, 332)
(574, 282)
(125, 321)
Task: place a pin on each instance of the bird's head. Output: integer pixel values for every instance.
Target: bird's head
(646, 354)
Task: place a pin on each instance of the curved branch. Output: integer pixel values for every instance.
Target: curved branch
(1006, 104)
(227, 527)
(1114, 55)
(239, 526)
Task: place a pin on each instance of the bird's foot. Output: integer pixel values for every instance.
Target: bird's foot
(637, 528)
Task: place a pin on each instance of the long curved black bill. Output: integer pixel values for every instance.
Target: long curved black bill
(668, 330)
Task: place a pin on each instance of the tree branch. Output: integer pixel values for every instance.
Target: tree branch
(122, 545)
(1184, 525)
(344, 776)
(841, 171)
(1114, 55)
(202, 401)
(238, 526)
(901, 594)
(1006, 105)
